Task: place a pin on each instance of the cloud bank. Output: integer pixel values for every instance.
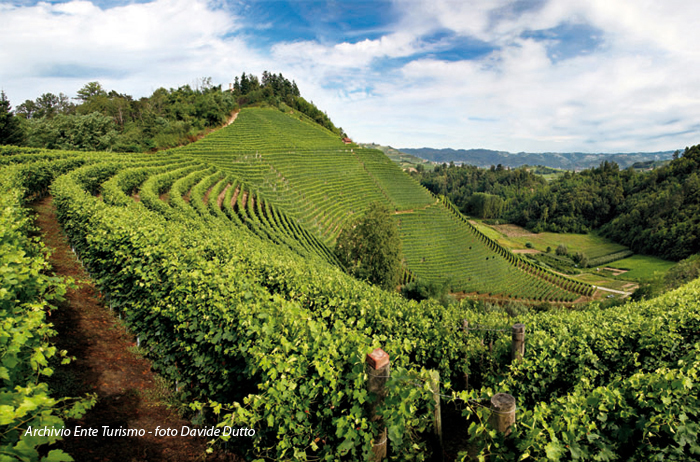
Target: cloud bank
(556, 75)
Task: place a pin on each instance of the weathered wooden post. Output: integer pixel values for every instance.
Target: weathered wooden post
(465, 325)
(377, 366)
(518, 350)
(437, 415)
(502, 412)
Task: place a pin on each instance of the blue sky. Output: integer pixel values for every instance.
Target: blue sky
(517, 75)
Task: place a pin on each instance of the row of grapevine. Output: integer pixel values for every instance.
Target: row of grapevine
(281, 338)
(323, 185)
(564, 282)
(28, 294)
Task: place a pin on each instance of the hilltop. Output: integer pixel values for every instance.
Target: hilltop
(97, 119)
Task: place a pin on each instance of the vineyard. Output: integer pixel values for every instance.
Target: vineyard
(218, 256)
(323, 184)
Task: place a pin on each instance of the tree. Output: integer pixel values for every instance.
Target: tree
(684, 272)
(484, 205)
(46, 105)
(580, 259)
(90, 132)
(371, 248)
(10, 128)
(91, 90)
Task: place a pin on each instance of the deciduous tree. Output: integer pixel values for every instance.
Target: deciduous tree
(371, 248)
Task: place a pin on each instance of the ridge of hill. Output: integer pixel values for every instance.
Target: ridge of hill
(562, 160)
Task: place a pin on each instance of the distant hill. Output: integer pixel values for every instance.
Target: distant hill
(564, 160)
(405, 161)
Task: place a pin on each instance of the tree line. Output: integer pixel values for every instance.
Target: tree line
(484, 193)
(100, 120)
(655, 213)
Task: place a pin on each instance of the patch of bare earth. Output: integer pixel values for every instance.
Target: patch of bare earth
(509, 230)
(234, 196)
(615, 271)
(530, 251)
(220, 199)
(232, 118)
(107, 364)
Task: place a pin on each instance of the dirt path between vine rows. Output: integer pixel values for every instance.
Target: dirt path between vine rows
(129, 394)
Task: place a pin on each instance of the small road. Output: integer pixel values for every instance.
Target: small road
(626, 294)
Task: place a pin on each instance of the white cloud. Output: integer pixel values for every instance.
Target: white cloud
(630, 93)
(134, 48)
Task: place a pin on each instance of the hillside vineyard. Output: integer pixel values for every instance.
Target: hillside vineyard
(218, 256)
(323, 184)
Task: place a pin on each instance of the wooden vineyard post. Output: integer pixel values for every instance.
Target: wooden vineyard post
(437, 415)
(502, 413)
(518, 350)
(377, 365)
(466, 374)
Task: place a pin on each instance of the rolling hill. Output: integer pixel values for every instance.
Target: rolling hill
(323, 184)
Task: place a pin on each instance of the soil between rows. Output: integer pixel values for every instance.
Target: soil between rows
(129, 393)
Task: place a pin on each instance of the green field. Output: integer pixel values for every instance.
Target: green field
(639, 268)
(642, 267)
(590, 244)
(605, 280)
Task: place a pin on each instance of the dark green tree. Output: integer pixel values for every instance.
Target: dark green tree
(484, 205)
(10, 128)
(684, 272)
(90, 132)
(91, 90)
(371, 248)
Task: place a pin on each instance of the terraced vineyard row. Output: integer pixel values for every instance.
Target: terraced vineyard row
(561, 281)
(323, 185)
(175, 188)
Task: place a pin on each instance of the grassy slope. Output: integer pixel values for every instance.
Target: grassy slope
(639, 267)
(642, 267)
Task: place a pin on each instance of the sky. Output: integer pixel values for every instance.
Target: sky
(513, 75)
